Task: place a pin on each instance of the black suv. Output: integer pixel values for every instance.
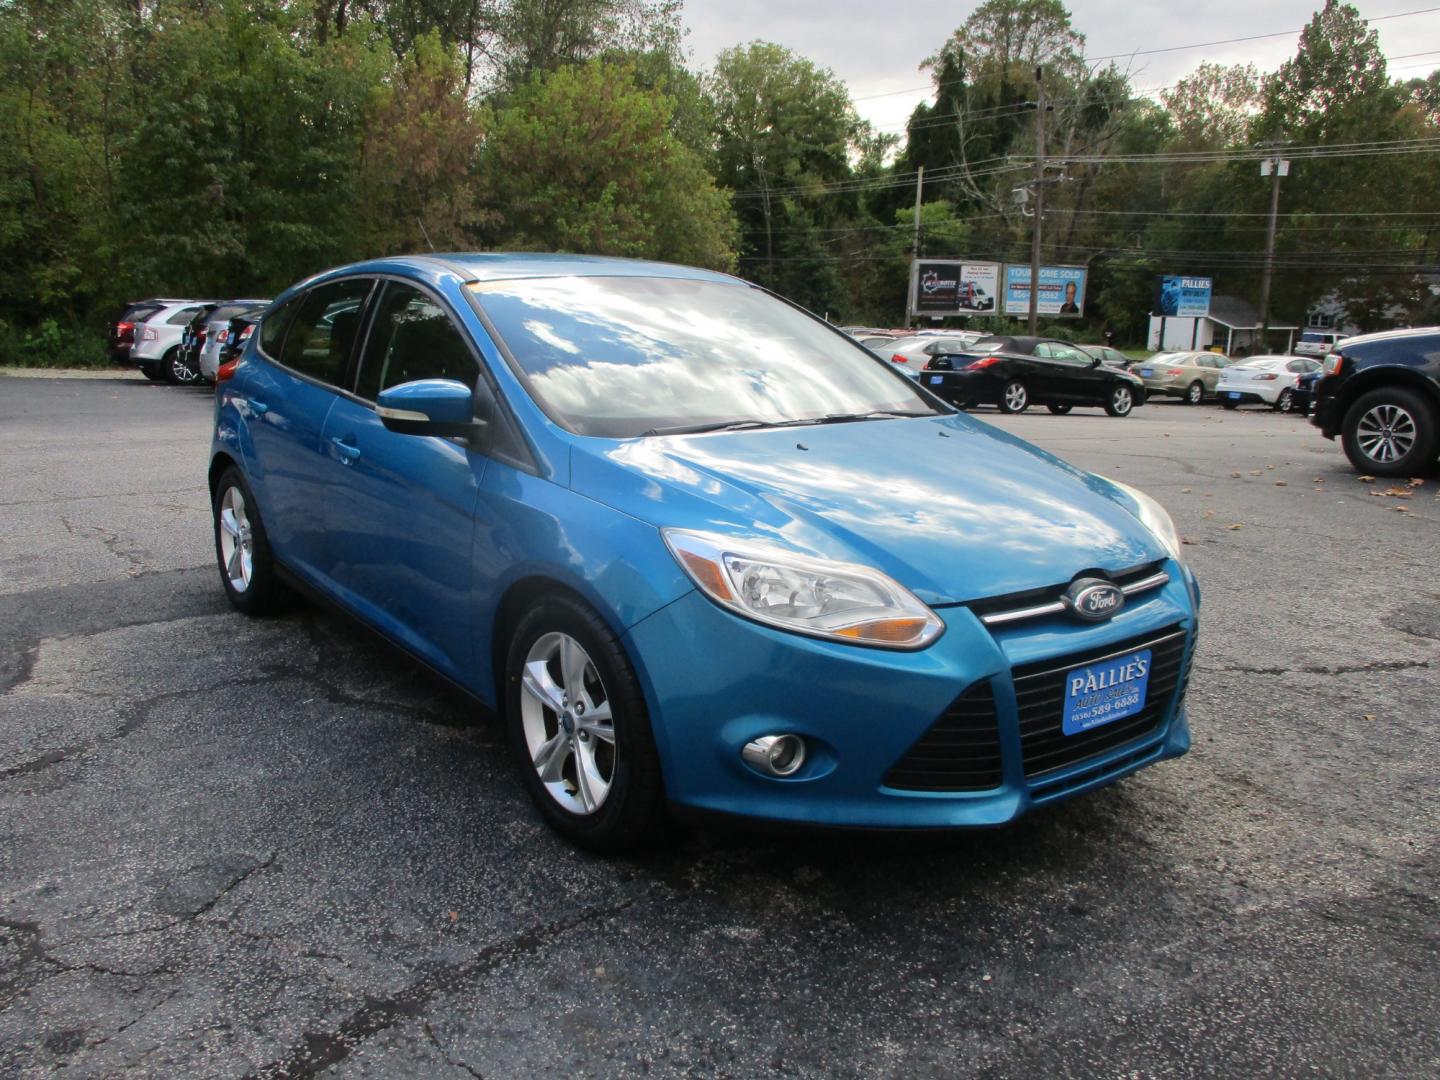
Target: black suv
(1381, 394)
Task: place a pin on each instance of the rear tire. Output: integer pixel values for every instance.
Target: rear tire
(151, 372)
(1286, 401)
(1059, 410)
(242, 550)
(619, 802)
(1195, 393)
(177, 370)
(1014, 398)
(1390, 432)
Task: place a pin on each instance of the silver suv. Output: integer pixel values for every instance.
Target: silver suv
(157, 339)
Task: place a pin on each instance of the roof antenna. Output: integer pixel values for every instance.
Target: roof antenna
(423, 232)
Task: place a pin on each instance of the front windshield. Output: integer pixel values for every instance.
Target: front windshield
(620, 357)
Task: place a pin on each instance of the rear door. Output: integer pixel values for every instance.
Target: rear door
(401, 512)
(288, 401)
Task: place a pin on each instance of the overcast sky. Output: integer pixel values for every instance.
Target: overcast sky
(877, 48)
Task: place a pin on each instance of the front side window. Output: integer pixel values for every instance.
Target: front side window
(323, 331)
(412, 338)
(621, 357)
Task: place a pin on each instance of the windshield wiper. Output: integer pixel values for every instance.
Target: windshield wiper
(878, 414)
(723, 425)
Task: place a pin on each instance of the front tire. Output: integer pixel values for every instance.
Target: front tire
(578, 728)
(1120, 402)
(242, 549)
(1014, 398)
(1195, 393)
(1227, 404)
(1390, 432)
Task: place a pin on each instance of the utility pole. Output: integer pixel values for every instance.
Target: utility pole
(1039, 202)
(915, 246)
(1274, 168)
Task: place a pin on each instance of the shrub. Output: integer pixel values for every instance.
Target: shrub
(50, 345)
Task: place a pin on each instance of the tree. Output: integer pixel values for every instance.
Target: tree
(580, 159)
(1214, 106)
(785, 130)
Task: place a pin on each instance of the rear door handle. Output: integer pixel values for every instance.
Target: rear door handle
(349, 452)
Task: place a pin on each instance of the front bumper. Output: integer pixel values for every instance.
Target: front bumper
(714, 681)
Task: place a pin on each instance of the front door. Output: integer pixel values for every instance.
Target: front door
(401, 516)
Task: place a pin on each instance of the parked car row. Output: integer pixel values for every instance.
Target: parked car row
(182, 341)
(1016, 372)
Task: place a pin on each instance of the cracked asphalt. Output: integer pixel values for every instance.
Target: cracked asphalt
(240, 848)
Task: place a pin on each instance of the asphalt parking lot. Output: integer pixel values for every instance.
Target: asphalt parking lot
(232, 847)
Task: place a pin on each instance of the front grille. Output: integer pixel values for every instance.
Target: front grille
(992, 607)
(960, 752)
(1040, 696)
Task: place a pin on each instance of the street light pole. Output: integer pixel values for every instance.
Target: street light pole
(1039, 202)
(1275, 168)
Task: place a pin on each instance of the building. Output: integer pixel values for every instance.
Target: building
(1232, 327)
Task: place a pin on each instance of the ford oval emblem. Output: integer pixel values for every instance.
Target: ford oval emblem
(1094, 599)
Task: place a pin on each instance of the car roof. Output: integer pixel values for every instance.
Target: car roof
(502, 266)
(1393, 335)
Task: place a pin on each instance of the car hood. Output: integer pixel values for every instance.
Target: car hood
(950, 507)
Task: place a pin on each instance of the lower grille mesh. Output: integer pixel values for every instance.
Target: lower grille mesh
(1040, 695)
(960, 752)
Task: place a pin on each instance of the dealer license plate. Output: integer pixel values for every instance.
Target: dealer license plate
(1147, 371)
(936, 380)
(1102, 693)
(1233, 395)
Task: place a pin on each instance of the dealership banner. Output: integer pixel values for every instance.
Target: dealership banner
(1182, 296)
(952, 287)
(1062, 290)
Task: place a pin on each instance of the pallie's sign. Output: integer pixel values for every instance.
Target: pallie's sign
(1183, 296)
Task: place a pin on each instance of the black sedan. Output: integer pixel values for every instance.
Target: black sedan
(1016, 372)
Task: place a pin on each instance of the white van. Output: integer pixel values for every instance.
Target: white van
(1318, 342)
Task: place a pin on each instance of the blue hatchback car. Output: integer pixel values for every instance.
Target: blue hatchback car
(700, 549)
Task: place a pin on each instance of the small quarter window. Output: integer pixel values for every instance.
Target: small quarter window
(412, 338)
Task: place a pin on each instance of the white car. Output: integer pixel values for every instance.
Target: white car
(157, 340)
(217, 331)
(1263, 380)
(912, 353)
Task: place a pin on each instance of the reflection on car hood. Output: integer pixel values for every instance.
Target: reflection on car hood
(952, 508)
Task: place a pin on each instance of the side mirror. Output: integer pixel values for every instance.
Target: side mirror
(433, 407)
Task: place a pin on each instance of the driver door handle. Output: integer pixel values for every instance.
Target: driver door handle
(349, 453)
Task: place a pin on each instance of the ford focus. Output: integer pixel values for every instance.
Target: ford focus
(699, 550)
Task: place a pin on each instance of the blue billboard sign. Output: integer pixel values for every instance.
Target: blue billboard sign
(1183, 296)
(1062, 290)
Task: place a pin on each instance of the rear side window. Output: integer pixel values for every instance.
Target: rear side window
(322, 333)
(226, 312)
(412, 338)
(272, 330)
(183, 316)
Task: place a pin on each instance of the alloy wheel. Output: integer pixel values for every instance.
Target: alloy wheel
(1122, 400)
(1196, 394)
(1015, 397)
(1286, 401)
(236, 542)
(1386, 433)
(568, 727)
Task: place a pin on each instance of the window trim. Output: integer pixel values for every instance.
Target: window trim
(300, 297)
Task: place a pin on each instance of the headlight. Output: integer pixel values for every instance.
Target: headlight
(1153, 516)
(842, 601)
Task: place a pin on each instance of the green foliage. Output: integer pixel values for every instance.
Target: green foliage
(50, 345)
(581, 159)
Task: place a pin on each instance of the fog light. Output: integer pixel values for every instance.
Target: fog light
(775, 755)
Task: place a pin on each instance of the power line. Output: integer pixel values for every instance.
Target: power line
(1168, 49)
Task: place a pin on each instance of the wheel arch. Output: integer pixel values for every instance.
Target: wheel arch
(1378, 378)
(218, 464)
